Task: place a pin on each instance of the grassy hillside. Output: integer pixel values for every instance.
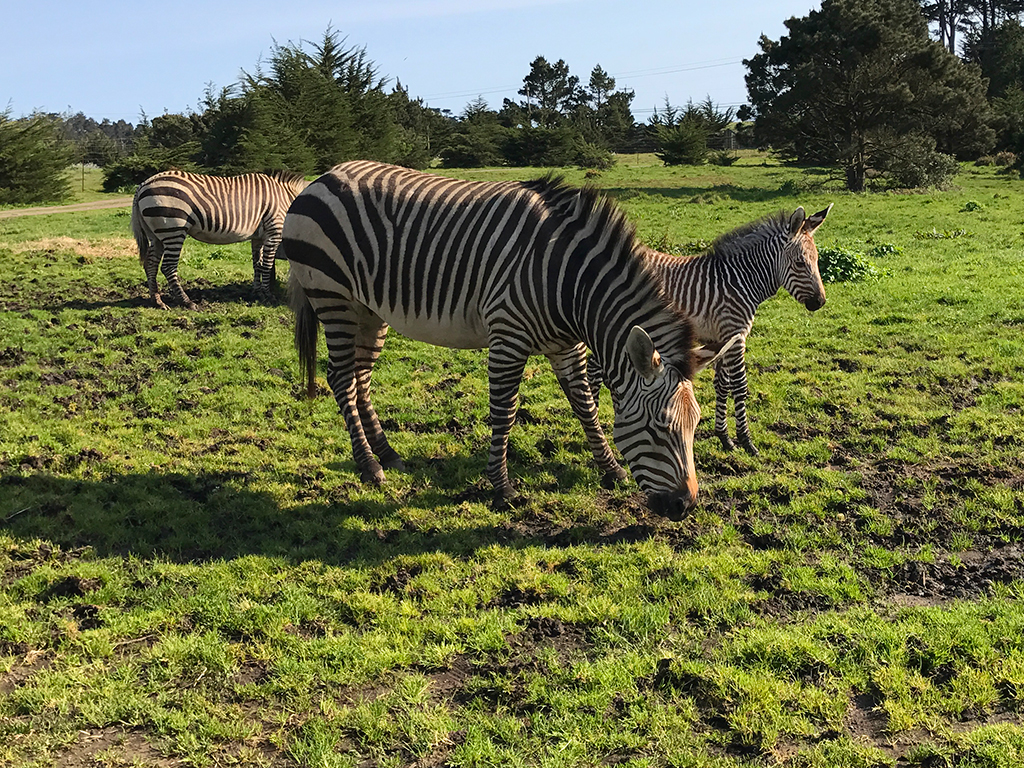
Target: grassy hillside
(191, 572)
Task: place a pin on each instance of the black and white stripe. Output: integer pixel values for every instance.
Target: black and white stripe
(721, 290)
(213, 209)
(518, 268)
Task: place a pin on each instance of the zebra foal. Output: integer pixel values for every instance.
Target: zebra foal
(517, 267)
(721, 290)
(212, 209)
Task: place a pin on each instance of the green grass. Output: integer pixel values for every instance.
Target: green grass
(191, 572)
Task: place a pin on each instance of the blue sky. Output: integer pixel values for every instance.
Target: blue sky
(115, 59)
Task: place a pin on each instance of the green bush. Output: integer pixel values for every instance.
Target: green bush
(838, 264)
(130, 171)
(723, 157)
(590, 155)
(913, 163)
(683, 144)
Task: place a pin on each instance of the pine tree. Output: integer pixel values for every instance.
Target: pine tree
(33, 160)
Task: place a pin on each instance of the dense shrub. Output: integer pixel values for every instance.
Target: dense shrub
(838, 264)
(130, 171)
(539, 146)
(913, 163)
(723, 157)
(685, 143)
(590, 155)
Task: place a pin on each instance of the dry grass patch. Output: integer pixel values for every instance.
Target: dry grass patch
(103, 248)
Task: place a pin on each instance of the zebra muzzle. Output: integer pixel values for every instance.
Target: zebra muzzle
(672, 504)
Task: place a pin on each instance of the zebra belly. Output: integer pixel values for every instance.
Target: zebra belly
(220, 238)
(456, 332)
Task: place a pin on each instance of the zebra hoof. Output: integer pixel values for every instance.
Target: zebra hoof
(613, 478)
(192, 305)
(727, 442)
(503, 501)
(373, 475)
(749, 447)
(390, 459)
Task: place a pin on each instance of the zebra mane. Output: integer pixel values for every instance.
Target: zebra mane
(586, 202)
(671, 330)
(725, 243)
(286, 177)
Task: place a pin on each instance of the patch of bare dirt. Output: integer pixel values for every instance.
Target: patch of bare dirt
(118, 747)
(961, 575)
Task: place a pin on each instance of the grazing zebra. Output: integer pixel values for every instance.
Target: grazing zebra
(721, 289)
(212, 209)
(517, 267)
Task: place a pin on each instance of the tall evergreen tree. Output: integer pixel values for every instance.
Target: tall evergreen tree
(853, 80)
(34, 159)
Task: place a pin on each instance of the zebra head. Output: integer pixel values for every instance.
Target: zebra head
(656, 415)
(800, 259)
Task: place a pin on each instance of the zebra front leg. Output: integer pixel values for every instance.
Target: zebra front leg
(573, 372)
(369, 343)
(722, 406)
(738, 381)
(341, 376)
(257, 264)
(595, 378)
(264, 265)
(505, 366)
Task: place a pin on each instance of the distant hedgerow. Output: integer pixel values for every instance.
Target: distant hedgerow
(838, 264)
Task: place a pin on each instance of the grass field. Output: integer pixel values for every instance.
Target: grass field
(192, 574)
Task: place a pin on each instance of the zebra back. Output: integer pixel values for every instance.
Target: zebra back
(721, 289)
(223, 206)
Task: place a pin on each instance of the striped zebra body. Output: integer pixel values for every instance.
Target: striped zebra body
(172, 205)
(518, 268)
(721, 290)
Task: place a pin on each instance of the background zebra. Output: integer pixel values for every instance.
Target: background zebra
(721, 290)
(212, 209)
(519, 268)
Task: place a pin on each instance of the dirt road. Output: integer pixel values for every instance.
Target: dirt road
(116, 202)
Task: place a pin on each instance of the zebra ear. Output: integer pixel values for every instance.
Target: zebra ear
(796, 221)
(643, 355)
(813, 222)
(707, 355)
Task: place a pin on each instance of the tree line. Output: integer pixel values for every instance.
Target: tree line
(872, 88)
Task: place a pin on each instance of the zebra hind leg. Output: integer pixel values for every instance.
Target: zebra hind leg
(169, 266)
(369, 342)
(151, 265)
(341, 328)
(572, 371)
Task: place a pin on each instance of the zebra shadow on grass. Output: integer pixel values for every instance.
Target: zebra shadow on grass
(201, 517)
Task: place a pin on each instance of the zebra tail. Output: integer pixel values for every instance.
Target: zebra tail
(139, 230)
(307, 328)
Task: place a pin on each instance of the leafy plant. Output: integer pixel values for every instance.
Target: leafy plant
(838, 264)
